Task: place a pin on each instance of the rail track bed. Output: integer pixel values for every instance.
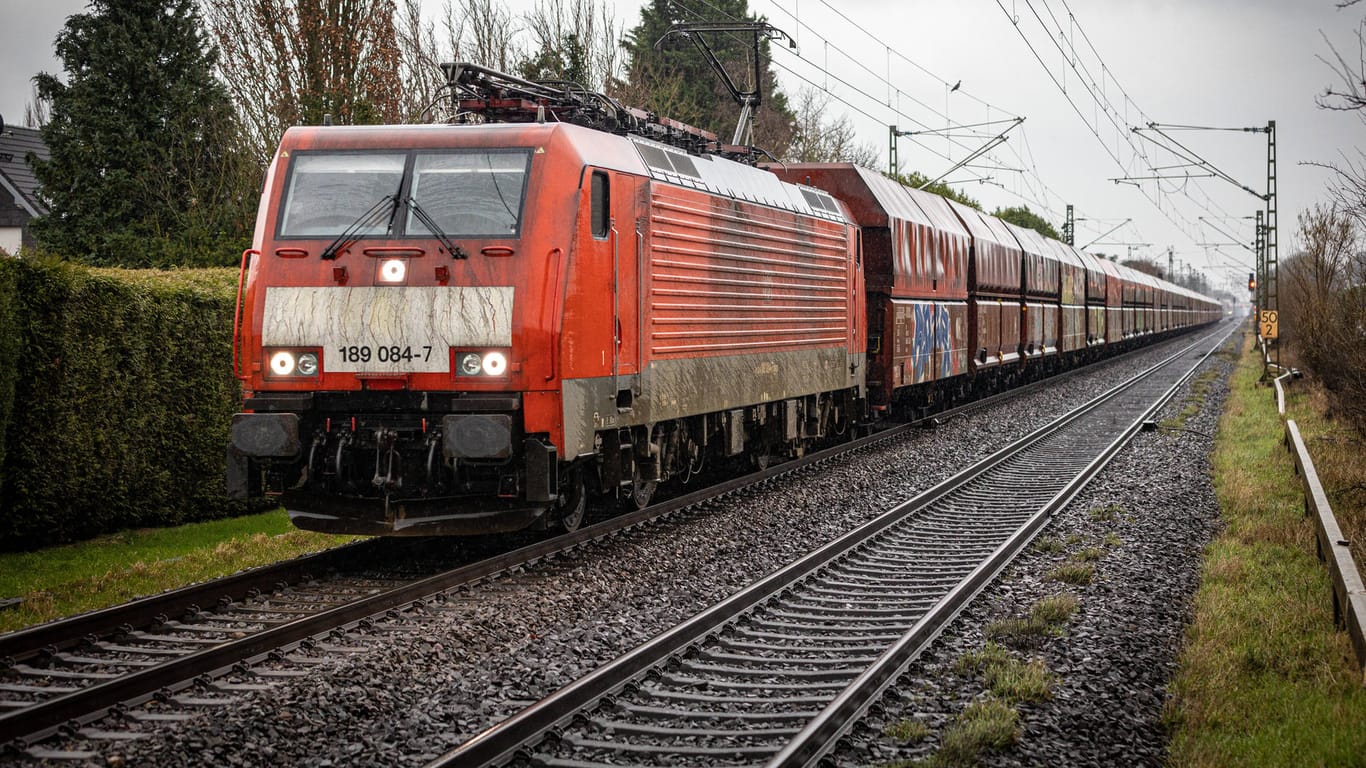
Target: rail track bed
(778, 672)
(283, 673)
(168, 652)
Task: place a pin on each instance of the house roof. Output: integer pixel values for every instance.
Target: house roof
(16, 175)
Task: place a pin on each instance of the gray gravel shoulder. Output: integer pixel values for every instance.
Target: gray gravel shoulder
(1149, 516)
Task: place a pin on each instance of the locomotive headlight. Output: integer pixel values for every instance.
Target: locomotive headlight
(282, 363)
(481, 363)
(470, 363)
(393, 271)
(495, 364)
(307, 364)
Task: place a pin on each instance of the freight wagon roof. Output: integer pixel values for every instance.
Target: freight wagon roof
(983, 226)
(1088, 260)
(1144, 279)
(938, 210)
(1064, 253)
(1095, 270)
(1030, 241)
(1110, 268)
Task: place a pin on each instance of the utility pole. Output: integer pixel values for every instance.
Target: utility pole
(1260, 296)
(1267, 260)
(894, 164)
(1272, 271)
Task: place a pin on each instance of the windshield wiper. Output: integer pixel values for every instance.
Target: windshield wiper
(370, 218)
(437, 232)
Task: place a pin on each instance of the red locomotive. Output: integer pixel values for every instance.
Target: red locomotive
(470, 328)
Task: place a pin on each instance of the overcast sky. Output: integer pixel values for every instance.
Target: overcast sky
(1220, 63)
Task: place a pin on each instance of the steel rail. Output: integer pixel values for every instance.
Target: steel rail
(512, 737)
(820, 735)
(43, 719)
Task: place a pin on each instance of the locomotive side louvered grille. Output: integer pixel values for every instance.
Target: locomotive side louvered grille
(736, 278)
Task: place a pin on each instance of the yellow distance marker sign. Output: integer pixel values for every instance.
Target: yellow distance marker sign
(1269, 324)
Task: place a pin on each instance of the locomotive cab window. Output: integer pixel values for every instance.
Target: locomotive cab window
(601, 205)
(469, 193)
(328, 193)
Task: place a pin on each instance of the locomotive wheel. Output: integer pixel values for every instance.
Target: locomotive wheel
(640, 494)
(763, 455)
(569, 511)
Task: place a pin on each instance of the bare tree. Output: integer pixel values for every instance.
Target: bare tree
(818, 138)
(1348, 95)
(419, 65)
(482, 32)
(37, 111)
(654, 86)
(576, 40)
(1323, 307)
(292, 61)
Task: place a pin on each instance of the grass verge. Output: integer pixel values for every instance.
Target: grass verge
(1265, 678)
(66, 580)
(1337, 450)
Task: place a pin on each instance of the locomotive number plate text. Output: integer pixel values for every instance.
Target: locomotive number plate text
(391, 353)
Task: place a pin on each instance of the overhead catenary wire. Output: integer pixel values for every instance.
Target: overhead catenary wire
(1029, 186)
(1195, 194)
(1038, 191)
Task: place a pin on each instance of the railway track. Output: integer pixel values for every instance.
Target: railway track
(778, 672)
(150, 660)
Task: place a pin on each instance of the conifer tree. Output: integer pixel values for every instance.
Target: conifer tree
(145, 166)
(676, 81)
(1021, 216)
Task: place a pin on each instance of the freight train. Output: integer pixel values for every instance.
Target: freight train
(474, 327)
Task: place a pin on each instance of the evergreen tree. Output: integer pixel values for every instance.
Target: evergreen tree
(568, 62)
(145, 167)
(917, 179)
(676, 81)
(1021, 216)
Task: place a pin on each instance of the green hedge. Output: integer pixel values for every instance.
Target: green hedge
(10, 342)
(115, 398)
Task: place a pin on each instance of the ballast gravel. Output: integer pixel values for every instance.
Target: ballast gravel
(416, 686)
(1145, 520)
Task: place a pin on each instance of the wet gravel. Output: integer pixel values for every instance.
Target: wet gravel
(426, 682)
(1145, 520)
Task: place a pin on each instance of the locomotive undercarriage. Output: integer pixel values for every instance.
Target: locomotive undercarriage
(632, 462)
(401, 471)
